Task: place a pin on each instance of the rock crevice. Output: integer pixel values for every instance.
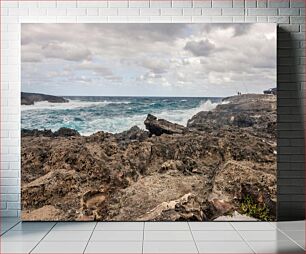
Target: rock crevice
(200, 171)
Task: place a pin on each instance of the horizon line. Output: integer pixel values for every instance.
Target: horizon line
(157, 96)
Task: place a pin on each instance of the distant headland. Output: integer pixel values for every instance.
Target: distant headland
(31, 98)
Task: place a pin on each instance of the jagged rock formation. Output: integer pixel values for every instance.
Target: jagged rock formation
(249, 110)
(62, 132)
(160, 126)
(135, 133)
(31, 98)
(170, 172)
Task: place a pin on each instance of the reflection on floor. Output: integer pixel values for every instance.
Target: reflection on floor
(152, 237)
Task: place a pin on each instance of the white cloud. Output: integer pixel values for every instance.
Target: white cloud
(194, 59)
(66, 51)
(200, 48)
(156, 65)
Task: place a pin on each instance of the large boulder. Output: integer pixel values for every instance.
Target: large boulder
(160, 126)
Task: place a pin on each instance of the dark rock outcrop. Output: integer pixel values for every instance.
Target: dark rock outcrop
(36, 133)
(135, 133)
(160, 126)
(66, 132)
(62, 132)
(31, 98)
(170, 172)
(254, 111)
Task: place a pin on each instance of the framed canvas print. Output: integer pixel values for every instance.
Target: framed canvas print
(148, 122)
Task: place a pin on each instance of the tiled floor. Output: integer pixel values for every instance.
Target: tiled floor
(152, 237)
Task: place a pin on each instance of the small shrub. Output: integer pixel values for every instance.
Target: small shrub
(250, 208)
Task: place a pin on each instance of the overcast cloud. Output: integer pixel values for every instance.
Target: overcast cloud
(148, 59)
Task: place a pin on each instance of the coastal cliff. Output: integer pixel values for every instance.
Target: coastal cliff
(222, 163)
(31, 98)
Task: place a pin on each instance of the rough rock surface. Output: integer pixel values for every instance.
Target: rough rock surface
(256, 111)
(62, 132)
(161, 126)
(171, 172)
(31, 98)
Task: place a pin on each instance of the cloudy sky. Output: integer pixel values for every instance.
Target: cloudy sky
(148, 59)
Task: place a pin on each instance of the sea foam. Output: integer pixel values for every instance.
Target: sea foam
(182, 116)
(112, 114)
(71, 104)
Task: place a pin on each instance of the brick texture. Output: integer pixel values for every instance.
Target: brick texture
(290, 14)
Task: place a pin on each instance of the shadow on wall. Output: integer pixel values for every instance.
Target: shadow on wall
(290, 128)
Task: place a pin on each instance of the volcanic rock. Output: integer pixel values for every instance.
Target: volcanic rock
(36, 133)
(160, 126)
(62, 132)
(200, 172)
(135, 133)
(44, 213)
(188, 207)
(249, 110)
(66, 132)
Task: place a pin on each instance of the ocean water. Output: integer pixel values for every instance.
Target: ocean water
(111, 114)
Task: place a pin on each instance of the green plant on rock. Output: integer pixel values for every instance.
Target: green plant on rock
(250, 208)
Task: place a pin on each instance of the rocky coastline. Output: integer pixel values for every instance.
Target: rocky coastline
(221, 165)
(31, 98)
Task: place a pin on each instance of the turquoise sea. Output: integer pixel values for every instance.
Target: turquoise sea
(89, 114)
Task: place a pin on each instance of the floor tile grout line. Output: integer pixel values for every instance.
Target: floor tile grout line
(257, 229)
(292, 230)
(158, 240)
(193, 237)
(10, 228)
(42, 238)
(189, 224)
(232, 226)
(143, 232)
(244, 240)
(290, 238)
(273, 225)
(93, 230)
(175, 230)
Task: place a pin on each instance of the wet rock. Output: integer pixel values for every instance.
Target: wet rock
(66, 132)
(62, 132)
(36, 133)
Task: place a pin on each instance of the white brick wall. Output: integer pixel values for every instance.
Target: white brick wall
(289, 13)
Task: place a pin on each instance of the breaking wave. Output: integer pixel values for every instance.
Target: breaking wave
(111, 115)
